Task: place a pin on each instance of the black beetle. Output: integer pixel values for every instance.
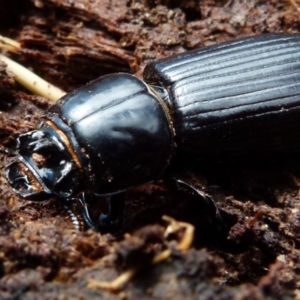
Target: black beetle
(235, 100)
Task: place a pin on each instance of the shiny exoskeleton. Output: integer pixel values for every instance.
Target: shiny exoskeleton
(234, 100)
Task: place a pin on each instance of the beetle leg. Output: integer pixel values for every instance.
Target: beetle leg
(113, 218)
(188, 188)
(75, 220)
(85, 213)
(106, 221)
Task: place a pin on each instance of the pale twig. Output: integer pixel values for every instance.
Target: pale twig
(295, 4)
(188, 236)
(31, 81)
(9, 44)
(26, 78)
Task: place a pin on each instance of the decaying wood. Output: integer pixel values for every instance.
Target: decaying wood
(253, 255)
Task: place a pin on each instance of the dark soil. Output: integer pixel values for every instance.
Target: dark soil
(253, 254)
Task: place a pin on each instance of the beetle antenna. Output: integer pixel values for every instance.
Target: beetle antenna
(8, 152)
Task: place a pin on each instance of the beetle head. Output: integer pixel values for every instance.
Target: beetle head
(42, 166)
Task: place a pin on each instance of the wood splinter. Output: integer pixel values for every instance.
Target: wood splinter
(26, 78)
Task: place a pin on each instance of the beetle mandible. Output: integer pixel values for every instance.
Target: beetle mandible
(235, 100)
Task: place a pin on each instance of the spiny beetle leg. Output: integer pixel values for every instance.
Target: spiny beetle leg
(75, 220)
(185, 187)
